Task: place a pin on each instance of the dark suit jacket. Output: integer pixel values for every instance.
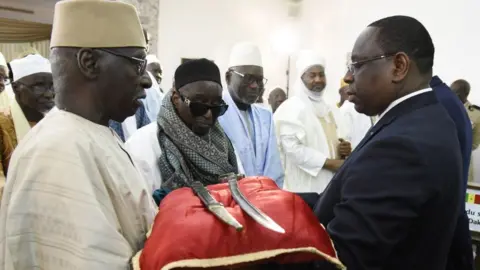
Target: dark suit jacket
(461, 254)
(395, 201)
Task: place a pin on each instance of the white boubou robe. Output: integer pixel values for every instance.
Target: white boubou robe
(358, 123)
(303, 142)
(73, 199)
(253, 135)
(145, 150)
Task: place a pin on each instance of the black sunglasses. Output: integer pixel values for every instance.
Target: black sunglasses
(141, 63)
(199, 109)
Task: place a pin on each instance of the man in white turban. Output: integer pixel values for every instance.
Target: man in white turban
(250, 128)
(73, 197)
(309, 130)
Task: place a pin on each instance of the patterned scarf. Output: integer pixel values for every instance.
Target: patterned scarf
(186, 156)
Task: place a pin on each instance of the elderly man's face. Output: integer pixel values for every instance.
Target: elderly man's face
(314, 78)
(370, 78)
(199, 104)
(3, 77)
(156, 71)
(122, 80)
(246, 83)
(35, 92)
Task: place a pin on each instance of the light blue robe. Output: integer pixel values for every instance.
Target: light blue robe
(259, 155)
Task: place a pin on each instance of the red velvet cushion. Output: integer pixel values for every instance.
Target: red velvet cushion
(186, 235)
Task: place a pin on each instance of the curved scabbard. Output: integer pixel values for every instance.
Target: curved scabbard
(215, 207)
(250, 209)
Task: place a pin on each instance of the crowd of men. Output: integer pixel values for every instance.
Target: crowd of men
(90, 144)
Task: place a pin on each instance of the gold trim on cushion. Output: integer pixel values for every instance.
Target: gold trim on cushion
(238, 259)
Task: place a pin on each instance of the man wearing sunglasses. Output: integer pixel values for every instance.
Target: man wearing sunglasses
(186, 143)
(73, 197)
(250, 128)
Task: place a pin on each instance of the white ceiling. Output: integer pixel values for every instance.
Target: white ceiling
(42, 10)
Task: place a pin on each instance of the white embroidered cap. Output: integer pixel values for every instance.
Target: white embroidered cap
(245, 54)
(28, 65)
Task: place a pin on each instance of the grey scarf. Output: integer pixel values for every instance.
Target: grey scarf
(187, 157)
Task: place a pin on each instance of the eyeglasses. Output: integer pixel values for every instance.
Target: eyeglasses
(354, 66)
(199, 109)
(141, 63)
(249, 78)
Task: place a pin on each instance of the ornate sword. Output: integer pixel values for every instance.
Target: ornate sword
(247, 206)
(214, 206)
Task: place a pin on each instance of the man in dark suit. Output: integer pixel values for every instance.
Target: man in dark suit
(461, 254)
(395, 201)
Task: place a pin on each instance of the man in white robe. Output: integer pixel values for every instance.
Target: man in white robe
(73, 198)
(358, 123)
(250, 127)
(310, 131)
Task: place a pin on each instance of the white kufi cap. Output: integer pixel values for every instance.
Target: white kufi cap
(245, 54)
(307, 59)
(28, 65)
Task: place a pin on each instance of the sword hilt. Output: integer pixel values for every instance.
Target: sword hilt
(224, 178)
(203, 194)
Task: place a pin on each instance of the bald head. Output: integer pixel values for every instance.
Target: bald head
(276, 97)
(462, 89)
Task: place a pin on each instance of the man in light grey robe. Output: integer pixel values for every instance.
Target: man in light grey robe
(73, 198)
